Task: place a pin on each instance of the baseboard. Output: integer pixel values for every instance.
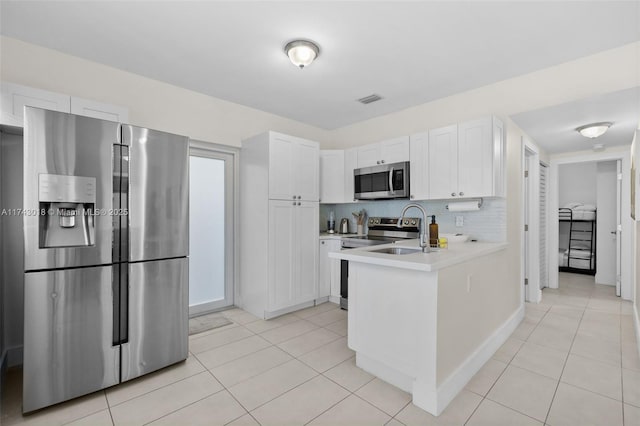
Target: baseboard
(450, 388)
(334, 299)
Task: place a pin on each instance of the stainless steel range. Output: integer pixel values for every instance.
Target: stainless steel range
(382, 230)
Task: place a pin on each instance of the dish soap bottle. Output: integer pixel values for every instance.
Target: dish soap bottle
(433, 232)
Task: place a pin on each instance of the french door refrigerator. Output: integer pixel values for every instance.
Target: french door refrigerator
(106, 245)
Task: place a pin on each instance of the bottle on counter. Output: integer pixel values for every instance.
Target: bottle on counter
(433, 232)
(331, 223)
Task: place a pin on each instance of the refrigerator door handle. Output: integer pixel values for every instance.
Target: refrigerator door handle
(120, 287)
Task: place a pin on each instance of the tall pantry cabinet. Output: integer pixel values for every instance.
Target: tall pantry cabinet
(279, 208)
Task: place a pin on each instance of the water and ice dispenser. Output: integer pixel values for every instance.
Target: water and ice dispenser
(67, 208)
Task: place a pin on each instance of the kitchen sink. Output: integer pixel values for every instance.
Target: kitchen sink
(397, 250)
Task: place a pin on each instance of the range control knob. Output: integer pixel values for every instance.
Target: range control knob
(413, 222)
(406, 221)
(377, 221)
(371, 221)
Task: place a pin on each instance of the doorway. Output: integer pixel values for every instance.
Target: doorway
(212, 175)
(612, 252)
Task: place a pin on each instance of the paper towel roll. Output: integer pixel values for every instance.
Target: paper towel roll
(464, 206)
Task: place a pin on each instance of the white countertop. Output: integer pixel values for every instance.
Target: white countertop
(335, 236)
(456, 253)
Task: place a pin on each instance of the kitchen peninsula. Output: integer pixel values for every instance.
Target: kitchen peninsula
(427, 322)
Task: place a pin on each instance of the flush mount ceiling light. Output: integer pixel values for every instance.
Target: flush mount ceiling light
(302, 52)
(594, 130)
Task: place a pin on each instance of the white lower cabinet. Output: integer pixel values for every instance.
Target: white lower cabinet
(293, 253)
(328, 270)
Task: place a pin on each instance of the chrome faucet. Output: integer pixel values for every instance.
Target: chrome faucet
(424, 235)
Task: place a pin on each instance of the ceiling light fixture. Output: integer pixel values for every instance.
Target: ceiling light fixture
(594, 130)
(301, 52)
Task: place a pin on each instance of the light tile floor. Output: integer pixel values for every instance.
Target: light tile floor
(572, 361)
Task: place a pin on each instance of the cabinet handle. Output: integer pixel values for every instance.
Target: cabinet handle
(299, 203)
(294, 203)
(378, 162)
(382, 162)
(453, 194)
(299, 197)
(321, 242)
(294, 197)
(461, 194)
(412, 197)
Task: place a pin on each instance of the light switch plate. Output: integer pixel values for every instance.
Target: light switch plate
(459, 220)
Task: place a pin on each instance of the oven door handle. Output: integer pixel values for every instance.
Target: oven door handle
(391, 181)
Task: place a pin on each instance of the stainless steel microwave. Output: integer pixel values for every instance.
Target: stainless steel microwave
(385, 181)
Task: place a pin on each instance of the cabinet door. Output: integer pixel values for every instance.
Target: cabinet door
(443, 162)
(306, 179)
(419, 157)
(15, 97)
(281, 164)
(368, 155)
(306, 252)
(324, 269)
(475, 158)
(350, 164)
(395, 150)
(332, 176)
(281, 254)
(94, 109)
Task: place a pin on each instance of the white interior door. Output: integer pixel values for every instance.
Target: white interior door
(211, 225)
(607, 203)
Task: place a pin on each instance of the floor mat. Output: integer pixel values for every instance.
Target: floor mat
(207, 322)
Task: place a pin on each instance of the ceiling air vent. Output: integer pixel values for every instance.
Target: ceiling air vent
(369, 99)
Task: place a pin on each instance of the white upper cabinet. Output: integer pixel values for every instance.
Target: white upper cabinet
(332, 176)
(464, 160)
(394, 150)
(100, 110)
(293, 168)
(15, 97)
(419, 166)
(350, 164)
(442, 167)
(389, 151)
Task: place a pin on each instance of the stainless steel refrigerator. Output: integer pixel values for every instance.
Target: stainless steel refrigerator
(106, 245)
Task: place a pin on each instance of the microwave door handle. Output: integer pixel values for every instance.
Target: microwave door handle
(391, 181)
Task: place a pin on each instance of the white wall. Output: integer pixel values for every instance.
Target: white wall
(577, 183)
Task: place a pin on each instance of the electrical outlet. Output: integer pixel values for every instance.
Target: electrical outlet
(459, 220)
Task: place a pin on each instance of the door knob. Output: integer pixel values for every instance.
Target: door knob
(614, 232)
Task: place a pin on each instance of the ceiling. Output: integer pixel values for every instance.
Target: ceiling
(553, 128)
(408, 52)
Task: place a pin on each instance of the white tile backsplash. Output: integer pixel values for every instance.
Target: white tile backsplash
(487, 224)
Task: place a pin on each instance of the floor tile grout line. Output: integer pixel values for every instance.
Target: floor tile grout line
(330, 407)
(155, 389)
(185, 406)
(555, 391)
